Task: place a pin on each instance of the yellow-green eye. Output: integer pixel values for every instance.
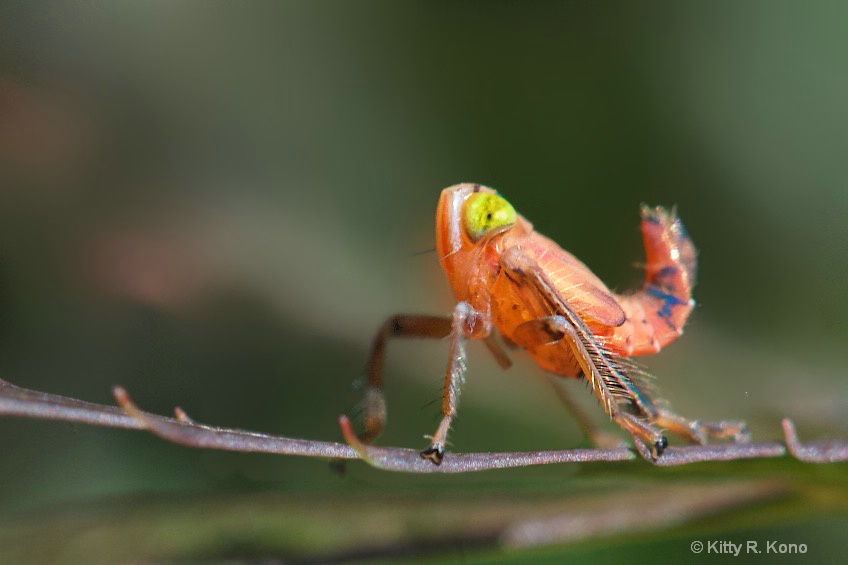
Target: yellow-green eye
(485, 212)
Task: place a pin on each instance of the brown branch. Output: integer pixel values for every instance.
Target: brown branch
(821, 451)
(715, 452)
(411, 461)
(17, 401)
(185, 431)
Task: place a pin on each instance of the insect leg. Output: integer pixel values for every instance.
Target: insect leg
(598, 437)
(698, 432)
(601, 367)
(399, 325)
(406, 325)
(608, 383)
(465, 320)
(498, 351)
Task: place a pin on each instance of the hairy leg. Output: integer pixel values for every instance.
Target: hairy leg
(698, 432)
(424, 326)
(610, 386)
(464, 318)
(605, 371)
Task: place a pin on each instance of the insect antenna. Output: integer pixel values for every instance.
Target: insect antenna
(423, 252)
(430, 403)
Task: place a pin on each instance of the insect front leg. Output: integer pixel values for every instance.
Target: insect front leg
(467, 322)
(399, 325)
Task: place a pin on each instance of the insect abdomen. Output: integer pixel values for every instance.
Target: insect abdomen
(657, 313)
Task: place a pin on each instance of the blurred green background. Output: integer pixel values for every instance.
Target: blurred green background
(216, 205)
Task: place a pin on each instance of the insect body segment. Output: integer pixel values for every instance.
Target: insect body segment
(511, 280)
(657, 313)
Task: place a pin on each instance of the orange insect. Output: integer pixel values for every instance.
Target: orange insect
(537, 296)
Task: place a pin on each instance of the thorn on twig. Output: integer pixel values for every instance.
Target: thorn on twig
(182, 416)
(822, 451)
(17, 401)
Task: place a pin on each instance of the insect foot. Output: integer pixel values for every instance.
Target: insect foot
(434, 453)
(659, 447)
(734, 430)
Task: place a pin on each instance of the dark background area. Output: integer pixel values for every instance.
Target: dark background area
(215, 205)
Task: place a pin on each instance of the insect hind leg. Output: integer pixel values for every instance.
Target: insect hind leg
(696, 431)
(609, 384)
(591, 430)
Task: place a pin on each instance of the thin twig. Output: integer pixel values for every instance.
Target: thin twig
(715, 452)
(410, 461)
(17, 401)
(821, 451)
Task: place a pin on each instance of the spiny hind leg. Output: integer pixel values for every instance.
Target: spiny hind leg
(597, 370)
(699, 432)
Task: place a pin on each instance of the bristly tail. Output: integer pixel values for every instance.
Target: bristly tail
(672, 261)
(657, 313)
